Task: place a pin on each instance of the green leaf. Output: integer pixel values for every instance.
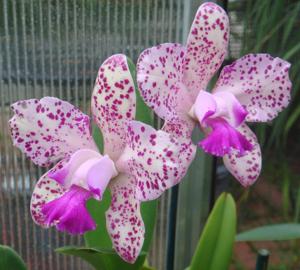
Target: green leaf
(143, 112)
(102, 259)
(99, 238)
(275, 232)
(147, 268)
(9, 259)
(215, 246)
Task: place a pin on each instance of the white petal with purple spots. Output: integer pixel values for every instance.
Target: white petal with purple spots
(123, 218)
(47, 130)
(155, 158)
(113, 102)
(206, 47)
(261, 84)
(245, 169)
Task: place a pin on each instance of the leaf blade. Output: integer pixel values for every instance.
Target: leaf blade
(9, 259)
(216, 242)
(275, 232)
(102, 259)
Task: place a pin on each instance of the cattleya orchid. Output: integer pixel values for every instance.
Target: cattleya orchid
(173, 80)
(138, 164)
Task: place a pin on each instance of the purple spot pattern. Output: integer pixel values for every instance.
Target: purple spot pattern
(113, 103)
(123, 218)
(45, 190)
(160, 79)
(206, 47)
(245, 168)
(261, 84)
(156, 159)
(47, 130)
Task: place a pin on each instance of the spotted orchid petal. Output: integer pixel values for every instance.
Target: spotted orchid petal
(53, 205)
(88, 169)
(260, 83)
(159, 76)
(246, 168)
(113, 103)
(155, 158)
(47, 130)
(123, 218)
(206, 47)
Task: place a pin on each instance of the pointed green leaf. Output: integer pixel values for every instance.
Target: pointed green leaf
(9, 259)
(147, 268)
(102, 259)
(215, 246)
(275, 232)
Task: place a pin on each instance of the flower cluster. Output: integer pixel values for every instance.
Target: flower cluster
(173, 80)
(139, 163)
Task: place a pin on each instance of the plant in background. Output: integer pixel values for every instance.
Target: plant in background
(139, 163)
(173, 81)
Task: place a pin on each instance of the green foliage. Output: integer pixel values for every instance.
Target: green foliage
(9, 259)
(276, 232)
(102, 259)
(273, 27)
(143, 112)
(215, 246)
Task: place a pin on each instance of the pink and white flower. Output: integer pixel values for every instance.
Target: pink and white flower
(138, 164)
(173, 80)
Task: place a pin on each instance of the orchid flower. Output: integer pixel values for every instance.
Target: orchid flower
(138, 164)
(173, 80)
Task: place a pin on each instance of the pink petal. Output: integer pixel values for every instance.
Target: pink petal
(100, 174)
(260, 83)
(155, 158)
(47, 130)
(159, 76)
(245, 169)
(123, 219)
(223, 139)
(219, 105)
(204, 107)
(113, 102)
(206, 47)
(69, 213)
(64, 174)
(88, 169)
